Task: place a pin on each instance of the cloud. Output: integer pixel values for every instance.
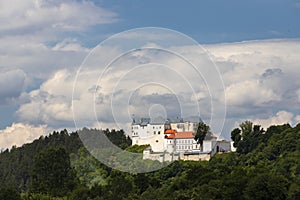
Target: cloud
(259, 72)
(25, 16)
(12, 84)
(51, 102)
(249, 93)
(297, 4)
(281, 117)
(298, 95)
(41, 37)
(272, 72)
(18, 134)
(297, 119)
(38, 60)
(261, 77)
(70, 45)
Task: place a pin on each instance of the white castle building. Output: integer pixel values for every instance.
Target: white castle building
(171, 140)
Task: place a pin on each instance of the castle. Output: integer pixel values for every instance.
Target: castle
(174, 140)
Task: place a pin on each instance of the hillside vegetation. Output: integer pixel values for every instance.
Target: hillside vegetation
(265, 166)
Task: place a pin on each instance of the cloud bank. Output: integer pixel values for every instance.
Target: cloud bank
(261, 83)
(26, 16)
(18, 134)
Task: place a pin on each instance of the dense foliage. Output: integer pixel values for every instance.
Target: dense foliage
(265, 166)
(201, 132)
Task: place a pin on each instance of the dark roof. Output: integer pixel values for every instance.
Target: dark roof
(160, 120)
(210, 136)
(195, 152)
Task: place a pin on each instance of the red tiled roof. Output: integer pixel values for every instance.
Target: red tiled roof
(184, 135)
(180, 135)
(171, 136)
(170, 131)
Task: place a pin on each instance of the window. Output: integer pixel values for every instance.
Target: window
(158, 132)
(154, 132)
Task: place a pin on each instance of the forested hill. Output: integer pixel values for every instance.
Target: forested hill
(265, 166)
(17, 164)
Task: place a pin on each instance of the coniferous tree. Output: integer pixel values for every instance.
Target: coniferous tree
(202, 130)
(52, 172)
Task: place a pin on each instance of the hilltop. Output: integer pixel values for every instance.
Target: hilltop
(265, 166)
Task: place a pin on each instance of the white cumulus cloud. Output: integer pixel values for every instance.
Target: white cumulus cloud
(249, 92)
(261, 77)
(12, 83)
(297, 119)
(33, 16)
(281, 117)
(51, 103)
(18, 134)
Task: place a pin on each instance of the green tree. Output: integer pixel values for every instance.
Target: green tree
(9, 194)
(236, 136)
(202, 130)
(52, 172)
(246, 127)
(247, 137)
(267, 186)
(120, 185)
(88, 168)
(80, 193)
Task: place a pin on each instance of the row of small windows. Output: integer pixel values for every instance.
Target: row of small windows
(182, 147)
(137, 127)
(186, 147)
(185, 141)
(154, 132)
(156, 127)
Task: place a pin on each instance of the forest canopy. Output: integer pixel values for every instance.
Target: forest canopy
(266, 165)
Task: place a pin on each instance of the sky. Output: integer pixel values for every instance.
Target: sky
(254, 45)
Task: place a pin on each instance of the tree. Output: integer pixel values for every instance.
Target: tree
(247, 137)
(267, 186)
(236, 136)
(246, 127)
(202, 130)
(120, 184)
(9, 194)
(52, 172)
